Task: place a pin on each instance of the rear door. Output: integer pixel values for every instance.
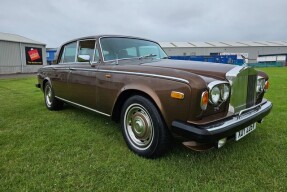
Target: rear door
(60, 72)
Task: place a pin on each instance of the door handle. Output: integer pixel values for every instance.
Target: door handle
(108, 75)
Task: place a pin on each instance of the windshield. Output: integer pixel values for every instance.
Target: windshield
(126, 48)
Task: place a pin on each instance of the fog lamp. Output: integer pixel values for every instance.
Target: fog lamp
(221, 142)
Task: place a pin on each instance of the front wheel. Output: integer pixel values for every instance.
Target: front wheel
(52, 103)
(143, 128)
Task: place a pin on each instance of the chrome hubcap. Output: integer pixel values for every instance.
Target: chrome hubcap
(138, 126)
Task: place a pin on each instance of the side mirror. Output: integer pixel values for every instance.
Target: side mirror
(84, 58)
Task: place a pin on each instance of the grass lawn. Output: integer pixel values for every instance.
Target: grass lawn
(77, 150)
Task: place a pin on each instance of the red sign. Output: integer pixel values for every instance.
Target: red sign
(34, 55)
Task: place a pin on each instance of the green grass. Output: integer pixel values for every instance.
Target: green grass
(76, 150)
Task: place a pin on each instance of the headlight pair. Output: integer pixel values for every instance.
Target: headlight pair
(218, 93)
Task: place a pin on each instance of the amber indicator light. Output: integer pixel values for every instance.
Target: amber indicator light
(267, 84)
(177, 95)
(204, 100)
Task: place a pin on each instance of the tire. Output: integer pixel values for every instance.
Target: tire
(143, 128)
(51, 102)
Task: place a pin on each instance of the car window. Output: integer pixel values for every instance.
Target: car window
(69, 53)
(96, 55)
(86, 51)
(132, 51)
(149, 50)
(122, 48)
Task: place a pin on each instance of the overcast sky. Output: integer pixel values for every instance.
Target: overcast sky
(55, 21)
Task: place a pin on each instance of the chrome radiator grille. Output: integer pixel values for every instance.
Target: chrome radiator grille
(243, 91)
(251, 91)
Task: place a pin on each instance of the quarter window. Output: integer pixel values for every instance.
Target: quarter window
(69, 53)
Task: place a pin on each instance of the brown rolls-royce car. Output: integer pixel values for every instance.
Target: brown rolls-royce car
(156, 99)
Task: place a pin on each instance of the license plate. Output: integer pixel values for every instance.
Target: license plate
(240, 134)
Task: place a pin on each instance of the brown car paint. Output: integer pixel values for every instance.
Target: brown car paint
(98, 86)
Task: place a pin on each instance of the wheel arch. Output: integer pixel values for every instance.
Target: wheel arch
(127, 93)
(46, 79)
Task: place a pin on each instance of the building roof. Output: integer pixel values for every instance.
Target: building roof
(17, 38)
(224, 44)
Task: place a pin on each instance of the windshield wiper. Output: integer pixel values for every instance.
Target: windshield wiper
(147, 56)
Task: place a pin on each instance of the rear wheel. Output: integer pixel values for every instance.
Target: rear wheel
(52, 103)
(143, 128)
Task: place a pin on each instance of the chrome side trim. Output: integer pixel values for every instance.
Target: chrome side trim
(136, 73)
(88, 108)
(60, 68)
(244, 114)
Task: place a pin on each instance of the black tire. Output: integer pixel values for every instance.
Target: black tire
(51, 102)
(143, 128)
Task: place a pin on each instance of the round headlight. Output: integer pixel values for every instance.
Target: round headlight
(225, 92)
(260, 85)
(215, 95)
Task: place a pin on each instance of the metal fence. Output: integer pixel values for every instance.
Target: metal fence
(267, 64)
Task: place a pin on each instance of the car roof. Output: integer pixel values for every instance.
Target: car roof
(101, 36)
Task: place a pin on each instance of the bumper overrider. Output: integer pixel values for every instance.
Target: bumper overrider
(213, 132)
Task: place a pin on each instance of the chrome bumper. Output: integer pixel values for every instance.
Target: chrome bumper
(224, 128)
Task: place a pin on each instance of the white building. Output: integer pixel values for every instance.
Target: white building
(20, 55)
(252, 48)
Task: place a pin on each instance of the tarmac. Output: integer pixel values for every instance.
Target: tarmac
(17, 75)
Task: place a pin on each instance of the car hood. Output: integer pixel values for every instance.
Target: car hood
(213, 70)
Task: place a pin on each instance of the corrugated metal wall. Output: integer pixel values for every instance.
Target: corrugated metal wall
(13, 59)
(10, 57)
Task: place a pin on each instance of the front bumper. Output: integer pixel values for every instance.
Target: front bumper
(213, 132)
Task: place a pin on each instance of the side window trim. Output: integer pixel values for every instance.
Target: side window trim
(77, 51)
(94, 52)
(92, 60)
(62, 55)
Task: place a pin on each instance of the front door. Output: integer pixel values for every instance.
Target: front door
(82, 80)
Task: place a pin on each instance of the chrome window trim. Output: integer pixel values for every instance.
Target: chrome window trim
(136, 73)
(65, 51)
(94, 54)
(90, 39)
(85, 107)
(77, 51)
